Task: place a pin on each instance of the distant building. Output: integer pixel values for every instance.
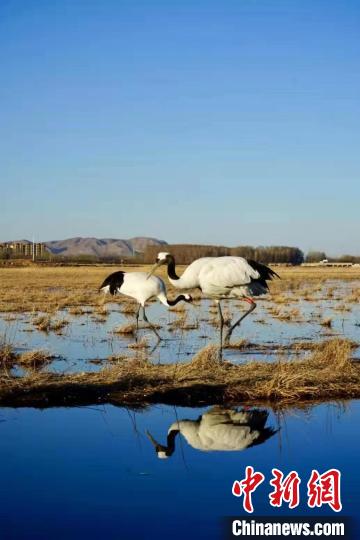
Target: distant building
(22, 249)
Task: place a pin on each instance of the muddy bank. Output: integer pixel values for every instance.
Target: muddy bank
(329, 372)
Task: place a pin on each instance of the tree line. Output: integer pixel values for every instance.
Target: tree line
(186, 253)
(317, 256)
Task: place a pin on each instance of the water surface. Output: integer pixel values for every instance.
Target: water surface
(90, 337)
(92, 472)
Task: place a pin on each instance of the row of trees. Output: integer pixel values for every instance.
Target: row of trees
(186, 253)
(317, 256)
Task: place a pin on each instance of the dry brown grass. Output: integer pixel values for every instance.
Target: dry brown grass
(30, 359)
(34, 359)
(126, 329)
(116, 358)
(182, 323)
(287, 315)
(327, 373)
(7, 354)
(76, 310)
(128, 309)
(239, 344)
(179, 308)
(47, 289)
(354, 296)
(280, 299)
(342, 308)
(141, 344)
(46, 324)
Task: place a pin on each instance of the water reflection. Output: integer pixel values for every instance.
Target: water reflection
(218, 429)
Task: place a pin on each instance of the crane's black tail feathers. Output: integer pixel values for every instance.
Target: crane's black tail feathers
(114, 282)
(264, 435)
(266, 273)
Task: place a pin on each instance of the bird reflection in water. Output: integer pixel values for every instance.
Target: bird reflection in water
(218, 429)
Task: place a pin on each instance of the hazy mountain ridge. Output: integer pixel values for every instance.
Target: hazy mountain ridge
(100, 247)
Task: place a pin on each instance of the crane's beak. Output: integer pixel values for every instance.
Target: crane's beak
(160, 450)
(153, 269)
(151, 438)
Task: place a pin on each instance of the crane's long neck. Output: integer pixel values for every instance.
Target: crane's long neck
(172, 270)
(171, 441)
(169, 449)
(165, 300)
(180, 298)
(179, 282)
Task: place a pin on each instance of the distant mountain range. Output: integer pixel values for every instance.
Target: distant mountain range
(101, 247)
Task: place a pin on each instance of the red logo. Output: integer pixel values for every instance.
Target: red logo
(321, 489)
(325, 489)
(247, 486)
(286, 490)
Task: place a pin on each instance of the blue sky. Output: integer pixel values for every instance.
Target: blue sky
(229, 122)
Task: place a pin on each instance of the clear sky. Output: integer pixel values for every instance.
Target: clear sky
(227, 121)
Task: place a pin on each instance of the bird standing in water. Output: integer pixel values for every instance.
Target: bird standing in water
(221, 278)
(137, 285)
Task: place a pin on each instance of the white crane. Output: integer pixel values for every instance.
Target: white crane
(220, 278)
(139, 286)
(218, 429)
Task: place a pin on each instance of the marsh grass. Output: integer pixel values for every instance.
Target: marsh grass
(45, 323)
(141, 344)
(45, 289)
(117, 358)
(286, 315)
(342, 308)
(238, 344)
(128, 307)
(76, 310)
(125, 329)
(34, 359)
(326, 322)
(179, 308)
(29, 360)
(182, 323)
(280, 299)
(7, 353)
(328, 372)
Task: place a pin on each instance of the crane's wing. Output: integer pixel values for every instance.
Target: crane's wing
(224, 273)
(190, 276)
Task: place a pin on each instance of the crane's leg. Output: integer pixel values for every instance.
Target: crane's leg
(137, 320)
(232, 327)
(151, 325)
(221, 317)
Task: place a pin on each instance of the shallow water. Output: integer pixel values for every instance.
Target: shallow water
(93, 473)
(88, 338)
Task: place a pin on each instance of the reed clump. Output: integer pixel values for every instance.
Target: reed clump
(46, 324)
(327, 322)
(206, 361)
(327, 372)
(141, 344)
(76, 310)
(128, 307)
(7, 353)
(126, 329)
(29, 359)
(34, 359)
(179, 308)
(182, 323)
